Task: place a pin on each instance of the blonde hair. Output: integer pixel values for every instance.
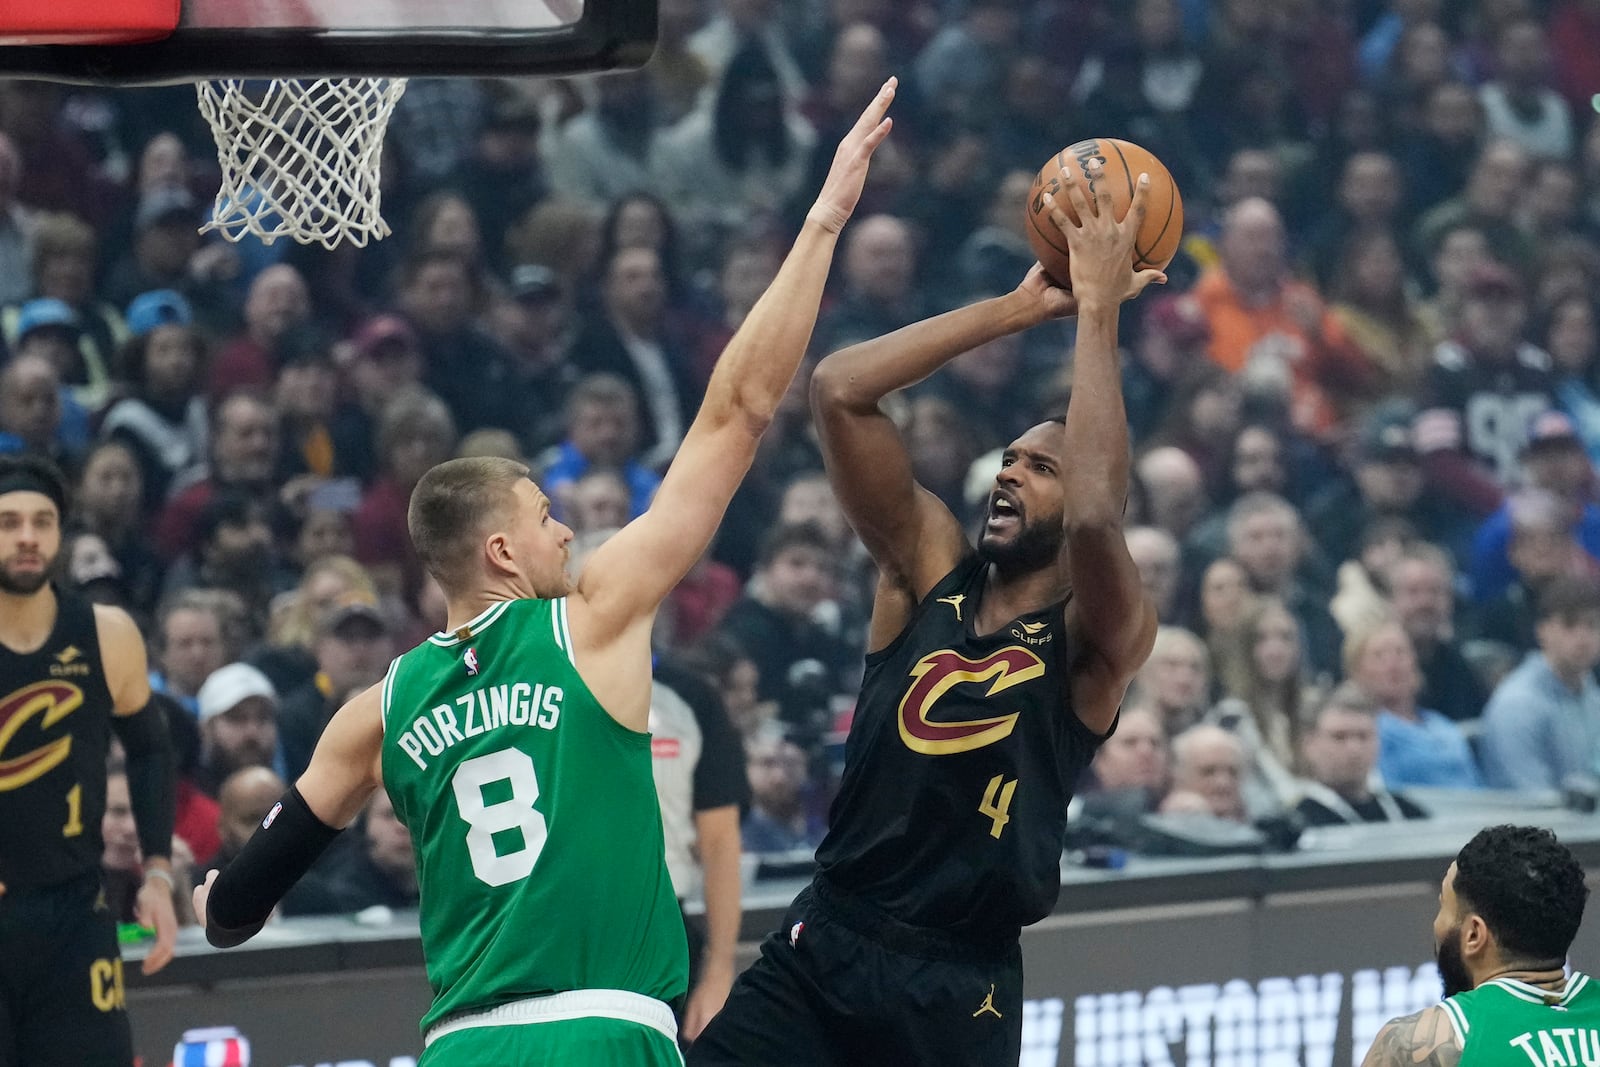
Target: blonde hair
(295, 619)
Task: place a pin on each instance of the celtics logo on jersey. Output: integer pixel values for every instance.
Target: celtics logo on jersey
(936, 674)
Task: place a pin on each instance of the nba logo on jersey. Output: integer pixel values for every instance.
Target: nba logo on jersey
(216, 1046)
(471, 662)
(794, 934)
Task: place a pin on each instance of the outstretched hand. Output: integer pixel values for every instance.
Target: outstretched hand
(1101, 249)
(842, 189)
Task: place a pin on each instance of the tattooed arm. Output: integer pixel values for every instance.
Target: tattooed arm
(1425, 1039)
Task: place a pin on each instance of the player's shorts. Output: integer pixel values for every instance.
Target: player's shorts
(582, 1028)
(61, 991)
(844, 984)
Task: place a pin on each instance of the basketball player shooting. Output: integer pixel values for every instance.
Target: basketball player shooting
(1509, 908)
(72, 673)
(513, 744)
(994, 672)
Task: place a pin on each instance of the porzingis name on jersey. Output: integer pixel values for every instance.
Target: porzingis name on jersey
(474, 713)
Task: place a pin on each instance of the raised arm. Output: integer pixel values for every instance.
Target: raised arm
(628, 577)
(912, 536)
(1110, 616)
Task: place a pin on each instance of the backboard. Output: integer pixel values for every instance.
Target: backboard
(377, 38)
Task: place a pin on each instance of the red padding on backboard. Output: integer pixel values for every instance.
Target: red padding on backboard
(28, 22)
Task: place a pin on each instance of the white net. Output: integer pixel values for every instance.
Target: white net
(300, 158)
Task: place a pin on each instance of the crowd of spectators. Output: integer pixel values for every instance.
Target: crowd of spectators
(1366, 408)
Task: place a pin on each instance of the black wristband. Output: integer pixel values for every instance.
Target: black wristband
(152, 777)
(277, 856)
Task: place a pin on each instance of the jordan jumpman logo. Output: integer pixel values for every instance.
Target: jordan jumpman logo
(988, 1005)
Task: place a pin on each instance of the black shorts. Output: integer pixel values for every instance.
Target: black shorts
(841, 984)
(61, 990)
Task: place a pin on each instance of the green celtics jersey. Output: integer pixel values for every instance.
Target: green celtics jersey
(1506, 1023)
(534, 818)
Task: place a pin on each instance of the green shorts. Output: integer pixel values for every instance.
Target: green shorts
(544, 1032)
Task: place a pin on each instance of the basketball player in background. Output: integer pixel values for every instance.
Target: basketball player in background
(993, 675)
(71, 673)
(1509, 908)
(513, 744)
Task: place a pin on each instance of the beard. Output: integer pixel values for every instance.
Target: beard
(1036, 546)
(25, 584)
(1452, 968)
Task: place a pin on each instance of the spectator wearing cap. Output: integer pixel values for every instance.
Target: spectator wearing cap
(64, 270)
(277, 303)
(386, 361)
(1553, 459)
(1542, 726)
(16, 227)
(166, 237)
(1256, 310)
(1543, 552)
(49, 328)
(353, 648)
(163, 417)
(536, 324)
(1386, 481)
(1482, 394)
(1421, 587)
(238, 725)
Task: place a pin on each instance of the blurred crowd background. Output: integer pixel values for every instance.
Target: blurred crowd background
(1366, 408)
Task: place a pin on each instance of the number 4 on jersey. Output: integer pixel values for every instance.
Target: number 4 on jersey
(997, 803)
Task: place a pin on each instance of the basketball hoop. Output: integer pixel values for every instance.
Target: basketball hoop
(300, 158)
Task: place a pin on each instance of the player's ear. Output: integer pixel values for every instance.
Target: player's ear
(1475, 936)
(499, 555)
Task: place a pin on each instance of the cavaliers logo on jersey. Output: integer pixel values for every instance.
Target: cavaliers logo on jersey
(54, 700)
(936, 674)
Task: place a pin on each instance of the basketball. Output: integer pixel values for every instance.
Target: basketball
(1158, 238)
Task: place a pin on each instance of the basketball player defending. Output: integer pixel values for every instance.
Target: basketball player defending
(994, 674)
(1509, 908)
(72, 672)
(513, 743)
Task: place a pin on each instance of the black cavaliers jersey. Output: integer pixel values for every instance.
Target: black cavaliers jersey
(55, 732)
(952, 809)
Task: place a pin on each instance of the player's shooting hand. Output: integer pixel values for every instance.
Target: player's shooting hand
(842, 188)
(1101, 247)
(154, 909)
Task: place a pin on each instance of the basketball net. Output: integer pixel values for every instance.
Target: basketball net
(300, 158)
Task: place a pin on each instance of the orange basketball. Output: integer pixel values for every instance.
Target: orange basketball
(1158, 238)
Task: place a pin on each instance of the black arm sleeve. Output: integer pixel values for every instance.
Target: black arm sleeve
(271, 862)
(152, 776)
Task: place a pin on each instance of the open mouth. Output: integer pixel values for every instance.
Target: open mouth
(1004, 514)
